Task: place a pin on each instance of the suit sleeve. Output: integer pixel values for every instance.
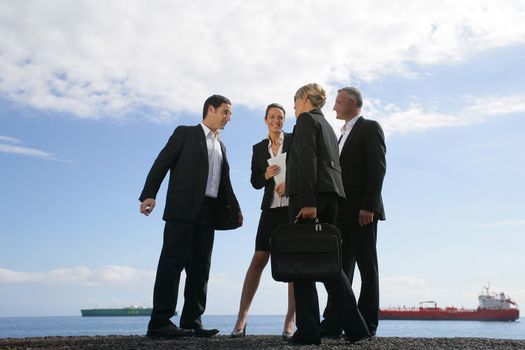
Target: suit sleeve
(375, 153)
(166, 159)
(257, 178)
(306, 145)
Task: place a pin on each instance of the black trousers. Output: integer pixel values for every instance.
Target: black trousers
(339, 289)
(359, 248)
(187, 246)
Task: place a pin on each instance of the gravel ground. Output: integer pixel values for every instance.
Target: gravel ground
(254, 342)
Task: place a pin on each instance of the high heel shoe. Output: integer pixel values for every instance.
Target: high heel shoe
(287, 336)
(239, 333)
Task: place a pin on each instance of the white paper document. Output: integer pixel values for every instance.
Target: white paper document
(280, 161)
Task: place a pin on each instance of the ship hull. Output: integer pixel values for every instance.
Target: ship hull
(450, 314)
(116, 312)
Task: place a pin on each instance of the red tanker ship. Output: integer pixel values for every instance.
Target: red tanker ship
(492, 307)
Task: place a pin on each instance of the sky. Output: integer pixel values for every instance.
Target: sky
(90, 92)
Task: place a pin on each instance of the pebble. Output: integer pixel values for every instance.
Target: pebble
(254, 342)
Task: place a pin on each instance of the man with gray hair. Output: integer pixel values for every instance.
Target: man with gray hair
(362, 157)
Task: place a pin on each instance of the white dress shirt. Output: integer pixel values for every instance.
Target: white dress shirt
(214, 161)
(345, 131)
(277, 201)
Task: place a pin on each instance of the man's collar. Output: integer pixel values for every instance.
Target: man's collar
(349, 124)
(207, 131)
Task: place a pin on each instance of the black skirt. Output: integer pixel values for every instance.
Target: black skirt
(270, 219)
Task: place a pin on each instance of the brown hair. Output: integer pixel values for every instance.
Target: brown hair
(274, 105)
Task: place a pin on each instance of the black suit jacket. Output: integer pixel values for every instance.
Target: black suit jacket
(363, 164)
(260, 156)
(313, 160)
(186, 157)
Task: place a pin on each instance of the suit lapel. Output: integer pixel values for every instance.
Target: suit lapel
(263, 153)
(202, 139)
(354, 130)
(225, 165)
(223, 150)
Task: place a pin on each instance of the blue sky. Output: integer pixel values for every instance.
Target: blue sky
(90, 94)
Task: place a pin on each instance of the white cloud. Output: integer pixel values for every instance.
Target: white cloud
(502, 224)
(6, 146)
(124, 59)
(26, 151)
(405, 280)
(8, 139)
(80, 275)
(396, 120)
(495, 105)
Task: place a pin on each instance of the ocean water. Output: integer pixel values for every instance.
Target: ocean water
(21, 327)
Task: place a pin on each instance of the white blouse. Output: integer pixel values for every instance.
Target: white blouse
(277, 202)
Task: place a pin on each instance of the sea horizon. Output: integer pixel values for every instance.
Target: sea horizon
(45, 326)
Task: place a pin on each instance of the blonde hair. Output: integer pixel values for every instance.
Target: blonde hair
(313, 91)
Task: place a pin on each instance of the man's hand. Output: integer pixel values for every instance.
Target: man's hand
(365, 217)
(307, 213)
(146, 207)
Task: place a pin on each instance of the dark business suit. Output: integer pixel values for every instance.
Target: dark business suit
(363, 167)
(313, 179)
(270, 217)
(191, 219)
(260, 158)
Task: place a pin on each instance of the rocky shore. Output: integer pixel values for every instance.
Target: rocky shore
(254, 342)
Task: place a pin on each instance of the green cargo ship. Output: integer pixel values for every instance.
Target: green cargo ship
(124, 311)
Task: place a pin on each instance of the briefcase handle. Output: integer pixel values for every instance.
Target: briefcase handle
(318, 226)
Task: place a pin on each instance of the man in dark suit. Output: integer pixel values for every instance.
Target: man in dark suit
(313, 184)
(362, 156)
(200, 199)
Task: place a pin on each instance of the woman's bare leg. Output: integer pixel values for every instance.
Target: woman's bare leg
(251, 283)
(289, 320)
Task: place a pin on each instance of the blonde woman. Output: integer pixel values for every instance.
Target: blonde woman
(314, 186)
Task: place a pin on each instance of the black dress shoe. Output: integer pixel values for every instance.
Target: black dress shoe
(298, 339)
(204, 333)
(362, 339)
(331, 333)
(169, 331)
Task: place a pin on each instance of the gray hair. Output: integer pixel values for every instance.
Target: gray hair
(354, 94)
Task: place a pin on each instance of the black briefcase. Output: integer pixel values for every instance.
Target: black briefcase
(305, 252)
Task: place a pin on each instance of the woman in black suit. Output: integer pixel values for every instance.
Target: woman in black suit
(274, 212)
(314, 186)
